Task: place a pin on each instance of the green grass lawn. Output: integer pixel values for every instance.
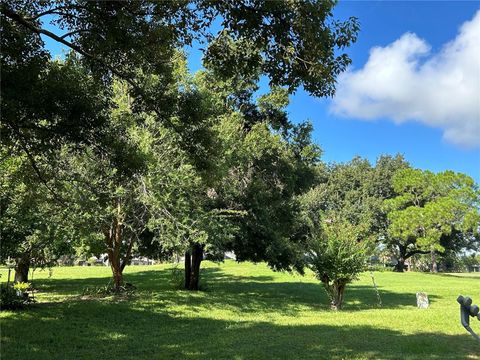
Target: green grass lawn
(246, 312)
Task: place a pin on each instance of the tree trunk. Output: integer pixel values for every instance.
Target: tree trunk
(113, 239)
(197, 257)
(188, 268)
(336, 291)
(117, 278)
(22, 266)
(193, 259)
(402, 256)
(400, 267)
(434, 262)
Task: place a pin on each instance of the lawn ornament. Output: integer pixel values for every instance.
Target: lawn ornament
(467, 310)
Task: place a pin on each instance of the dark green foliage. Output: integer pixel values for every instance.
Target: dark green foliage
(432, 213)
(293, 43)
(34, 231)
(12, 298)
(44, 102)
(355, 192)
(273, 161)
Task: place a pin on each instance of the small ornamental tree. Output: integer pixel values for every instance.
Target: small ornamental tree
(336, 256)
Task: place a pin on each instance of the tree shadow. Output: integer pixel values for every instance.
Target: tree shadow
(86, 330)
(476, 277)
(242, 294)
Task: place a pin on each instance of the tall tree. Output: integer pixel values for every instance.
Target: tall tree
(267, 161)
(431, 212)
(34, 233)
(293, 43)
(103, 185)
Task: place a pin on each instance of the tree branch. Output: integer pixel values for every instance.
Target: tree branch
(61, 39)
(424, 252)
(70, 33)
(38, 30)
(37, 171)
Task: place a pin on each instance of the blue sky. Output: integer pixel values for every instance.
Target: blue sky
(343, 137)
(423, 141)
(381, 24)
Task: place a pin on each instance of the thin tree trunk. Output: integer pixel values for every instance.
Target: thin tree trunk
(402, 252)
(22, 267)
(113, 239)
(188, 268)
(197, 257)
(335, 292)
(434, 261)
(117, 278)
(117, 272)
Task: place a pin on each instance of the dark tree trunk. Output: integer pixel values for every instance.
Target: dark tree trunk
(193, 259)
(197, 257)
(400, 267)
(22, 267)
(402, 256)
(188, 268)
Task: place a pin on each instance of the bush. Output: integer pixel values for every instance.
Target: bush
(14, 297)
(336, 257)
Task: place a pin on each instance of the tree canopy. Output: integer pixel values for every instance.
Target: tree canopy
(432, 212)
(292, 43)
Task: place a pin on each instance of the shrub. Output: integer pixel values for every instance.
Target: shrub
(14, 297)
(336, 256)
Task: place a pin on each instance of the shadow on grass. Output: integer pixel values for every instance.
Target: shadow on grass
(244, 294)
(459, 275)
(89, 330)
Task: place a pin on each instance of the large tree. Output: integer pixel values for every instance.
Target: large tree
(345, 219)
(241, 195)
(34, 231)
(267, 161)
(356, 190)
(431, 213)
(292, 43)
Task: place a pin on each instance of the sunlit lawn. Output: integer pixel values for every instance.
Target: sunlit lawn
(246, 312)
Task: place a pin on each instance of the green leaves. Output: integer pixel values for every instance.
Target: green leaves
(431, 207)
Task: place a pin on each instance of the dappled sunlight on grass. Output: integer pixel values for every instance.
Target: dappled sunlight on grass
(246, 311)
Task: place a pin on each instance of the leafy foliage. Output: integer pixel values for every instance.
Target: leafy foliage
(432, 212)
(14, 297)
(34, 232)
(337, 255)
(293, 43)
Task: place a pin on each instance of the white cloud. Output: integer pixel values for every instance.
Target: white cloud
(404, 81)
